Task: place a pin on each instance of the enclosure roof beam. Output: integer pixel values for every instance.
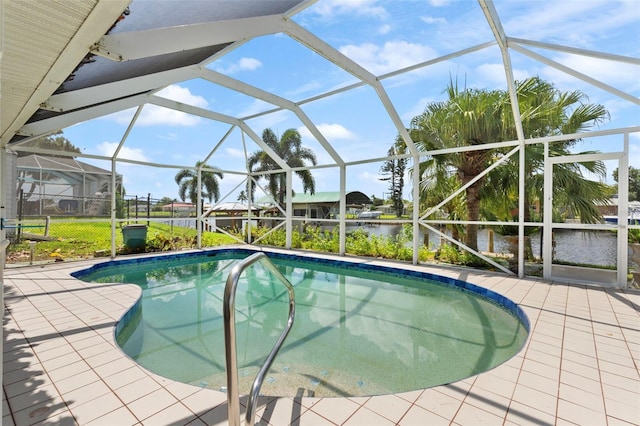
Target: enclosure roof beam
(437, 60)
(127, 131)
(239, 86)
(493, 20)
(326, 51)
(211, 115)
(577, 74)
(219, 144)
(94, 95)
(575, 51)
(322, 48)
(161, 41)
(95, 24)
(48, 125)
(381, 77)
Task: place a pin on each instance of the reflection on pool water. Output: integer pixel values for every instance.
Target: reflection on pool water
(359, 329)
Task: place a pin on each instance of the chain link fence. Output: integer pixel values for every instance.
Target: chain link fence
(56, 228)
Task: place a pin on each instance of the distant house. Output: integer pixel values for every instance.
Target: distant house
(230, 215)
(57, 185)
(322, 205)
(231, 209)
(609, 211)
(389, 209)
(181, 208)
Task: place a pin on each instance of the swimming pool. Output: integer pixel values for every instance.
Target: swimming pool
(360, 329)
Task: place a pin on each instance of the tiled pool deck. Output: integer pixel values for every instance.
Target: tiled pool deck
(62, 367)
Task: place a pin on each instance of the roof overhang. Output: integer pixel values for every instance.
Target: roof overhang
(105, 56)
(37, 57)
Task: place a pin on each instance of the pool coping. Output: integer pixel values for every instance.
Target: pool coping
(61, 362)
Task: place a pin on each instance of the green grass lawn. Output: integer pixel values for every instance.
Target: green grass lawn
(84, 240)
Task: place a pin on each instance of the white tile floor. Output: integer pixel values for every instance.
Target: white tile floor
(61, 365)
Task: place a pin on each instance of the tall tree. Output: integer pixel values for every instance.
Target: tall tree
(290, 149)
(467, 118)
(242, 196)
(392, 171)
(473, 117)
(546, 111)
(54, 142)
(634, 182)
(187, 180)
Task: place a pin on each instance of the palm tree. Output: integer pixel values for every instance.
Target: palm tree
(187, 180)
(468, 117)
(290, 149)
(545, 111)
(474, 117)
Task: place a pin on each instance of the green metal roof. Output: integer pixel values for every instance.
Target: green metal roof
(353, 197)
(318, 197)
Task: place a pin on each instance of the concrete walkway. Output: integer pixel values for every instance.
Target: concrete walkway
(62, 366)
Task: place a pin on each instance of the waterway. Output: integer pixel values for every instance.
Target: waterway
(574, 246)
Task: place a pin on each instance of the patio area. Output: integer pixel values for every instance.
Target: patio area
(61, 364)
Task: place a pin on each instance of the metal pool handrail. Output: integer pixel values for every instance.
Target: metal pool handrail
(233, 394)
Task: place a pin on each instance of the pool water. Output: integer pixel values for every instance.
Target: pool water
(357, 331)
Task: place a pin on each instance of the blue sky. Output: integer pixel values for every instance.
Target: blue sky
(381, 36)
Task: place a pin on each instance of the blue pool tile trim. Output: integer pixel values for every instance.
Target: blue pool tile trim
(500, 300)
(127, 316)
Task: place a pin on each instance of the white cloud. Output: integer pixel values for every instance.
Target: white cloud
(329, 131)
(171, 136)
(230, 181)
(270, 121)
(109, 148)
(565, 22)
(433, 20)
(153, 115)
(494, 76)
(384, 29)
(256, 107)
(391, 56)
(182, 94)
(330, 8)
(243, 64)
(310, 86)
(439, 3)
(233, 152)
(619, 75)
(370, 183)
(416, 109)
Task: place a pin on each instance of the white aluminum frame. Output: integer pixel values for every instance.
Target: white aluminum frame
(94, 102)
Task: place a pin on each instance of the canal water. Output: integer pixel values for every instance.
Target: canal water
(574, 246)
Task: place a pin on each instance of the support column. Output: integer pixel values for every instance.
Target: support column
(343, 210)
(623, 211)
(289, 211)
(250, 202)
(521, 208)
(199, 210)
(547, 218)
(416, 208)
(114, 208)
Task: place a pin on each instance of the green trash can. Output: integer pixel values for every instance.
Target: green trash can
(135, 236)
